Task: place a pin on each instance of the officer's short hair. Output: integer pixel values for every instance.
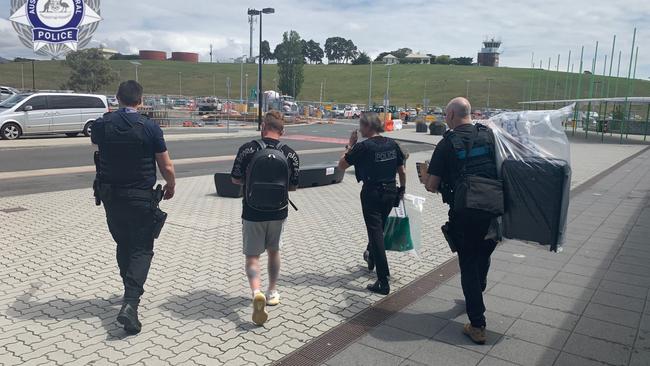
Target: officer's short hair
(274, 120)
(130, 93)
(371, 119)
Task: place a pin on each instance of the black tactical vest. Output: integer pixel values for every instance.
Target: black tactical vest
(381, 162)
(124, 159)
(481, 160)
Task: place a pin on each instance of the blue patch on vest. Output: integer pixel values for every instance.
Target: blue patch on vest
(477, 151)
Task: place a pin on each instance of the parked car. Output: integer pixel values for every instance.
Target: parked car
(352, 111)
(7, 92)
(43, 113)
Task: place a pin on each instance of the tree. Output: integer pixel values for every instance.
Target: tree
(313, 52)
(265, 52)
(90, 71)
(443, 59)
(362, 59)
(463, 61)
(381, 56)
(291, 61)
(350, 51)
(119, 56)
(335, 49)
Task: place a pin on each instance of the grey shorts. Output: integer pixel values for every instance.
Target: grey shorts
(262, 236)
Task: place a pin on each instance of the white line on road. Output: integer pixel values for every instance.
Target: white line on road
(91, 168)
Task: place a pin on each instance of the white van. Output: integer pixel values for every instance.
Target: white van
(47, 113)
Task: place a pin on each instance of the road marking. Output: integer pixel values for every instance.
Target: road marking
(328, 140)
(91, 168)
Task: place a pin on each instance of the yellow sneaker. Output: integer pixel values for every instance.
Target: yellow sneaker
(273, 298)
(477, 335)
(260, 316)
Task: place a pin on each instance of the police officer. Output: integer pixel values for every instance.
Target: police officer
(130, 145)
(473, 236)
(377, 161)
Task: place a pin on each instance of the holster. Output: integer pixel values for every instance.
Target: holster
(159, 216)
(446, 231)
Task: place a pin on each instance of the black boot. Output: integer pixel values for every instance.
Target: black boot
(380, 287)
(368, 258)
(128, 317)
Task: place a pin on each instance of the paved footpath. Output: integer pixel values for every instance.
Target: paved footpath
(588, 305)
(60, 289)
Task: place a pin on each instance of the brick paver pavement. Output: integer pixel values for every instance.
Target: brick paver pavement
(61, 290)
(588, 305)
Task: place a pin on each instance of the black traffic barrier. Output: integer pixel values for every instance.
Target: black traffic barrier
(225, 186)
(320, 175)
(310, 176)
(420, 127)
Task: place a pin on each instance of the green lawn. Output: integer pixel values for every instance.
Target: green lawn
(344, 83)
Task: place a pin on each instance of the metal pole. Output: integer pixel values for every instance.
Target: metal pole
(136, 74)
(629, 75)
(228, 85)
(600, 104)
(241, 82)
(609, 81)
(591, 89)
(631, 93)
(579, 92)
(647, 119)
(557, 77)
(489, 80)
(548, 78)
(370, 87)
(260, 100)
(568, 75)
(387, 99)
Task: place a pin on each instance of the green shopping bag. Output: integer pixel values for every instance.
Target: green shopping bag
(397, 233)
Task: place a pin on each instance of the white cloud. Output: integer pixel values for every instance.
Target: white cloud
(455, 27)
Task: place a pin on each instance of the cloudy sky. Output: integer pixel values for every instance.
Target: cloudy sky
(455, 27)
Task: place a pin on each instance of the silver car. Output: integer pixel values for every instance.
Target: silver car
(47, 113)
(7, 92)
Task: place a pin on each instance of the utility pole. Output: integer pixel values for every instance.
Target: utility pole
(370, 87)
(180, 84)
(387, 98)
(241, 82)
(210, 53)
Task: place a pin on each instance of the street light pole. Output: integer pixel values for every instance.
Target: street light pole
(136, 64)
(387, 98)
(260, 96)
(370, 87)
(489, 80)
(241, 82)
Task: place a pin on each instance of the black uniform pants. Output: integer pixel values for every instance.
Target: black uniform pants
(474, 253)
(376, 204)
(130, 221)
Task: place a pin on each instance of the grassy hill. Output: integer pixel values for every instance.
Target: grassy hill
(344, 83)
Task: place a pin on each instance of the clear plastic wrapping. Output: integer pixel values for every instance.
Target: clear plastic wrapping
(533, 160)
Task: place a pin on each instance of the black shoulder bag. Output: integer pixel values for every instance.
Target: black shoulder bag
(475, 195)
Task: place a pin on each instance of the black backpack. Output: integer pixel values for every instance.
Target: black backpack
(267, 179)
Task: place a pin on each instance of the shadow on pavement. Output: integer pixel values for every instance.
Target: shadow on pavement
(210, 305)
(62, 309)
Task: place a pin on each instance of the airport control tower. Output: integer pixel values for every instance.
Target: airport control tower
(489, 55)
